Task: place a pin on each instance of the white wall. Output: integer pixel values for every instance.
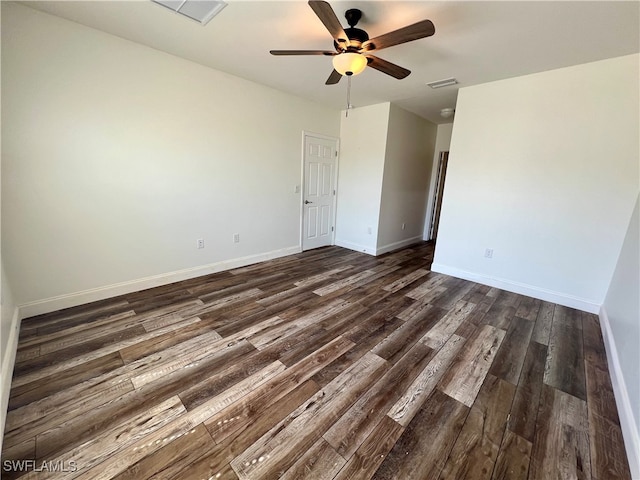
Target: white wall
(543, 169)
(621, 319)
(117, 157)
(363, 139)
(9, 324)
(443, 143)
(408, 160)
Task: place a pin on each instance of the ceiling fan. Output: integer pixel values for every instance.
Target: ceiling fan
(353, 45)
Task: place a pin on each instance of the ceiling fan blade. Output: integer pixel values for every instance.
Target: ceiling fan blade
(422, 29)
(396, 71)
(328, 17)
(333, 78)
(302, 52)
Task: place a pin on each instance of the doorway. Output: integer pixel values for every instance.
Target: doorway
(438, 195)
(319, 191)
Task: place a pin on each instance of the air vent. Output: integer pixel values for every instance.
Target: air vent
(199, 10)
(443, 83)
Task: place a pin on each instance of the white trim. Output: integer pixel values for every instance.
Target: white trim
(627, 421)
(521, 288)
(355, 246)
(86, 296)
(398, 245)
(8, 361)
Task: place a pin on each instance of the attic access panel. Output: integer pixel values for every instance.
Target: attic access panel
(199, 10)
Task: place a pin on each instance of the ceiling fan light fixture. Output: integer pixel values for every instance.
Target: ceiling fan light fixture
(349, 63)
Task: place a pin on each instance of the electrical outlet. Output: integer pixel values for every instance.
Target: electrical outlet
(236, 238)
(200, 243)
(488, 253)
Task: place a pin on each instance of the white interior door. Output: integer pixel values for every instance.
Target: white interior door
(319, 193)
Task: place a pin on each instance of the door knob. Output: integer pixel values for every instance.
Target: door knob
(307, 201)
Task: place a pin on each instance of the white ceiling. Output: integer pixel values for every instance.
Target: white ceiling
(475, 41)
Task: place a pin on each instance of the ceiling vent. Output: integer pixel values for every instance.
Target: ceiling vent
(443, 83)
(199, 10)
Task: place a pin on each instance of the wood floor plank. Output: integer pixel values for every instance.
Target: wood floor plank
(167, 340)
(525, 404)
(284, 444)
(245, 412)
(134, 402)
(476, 317)
(417, 393)
(183, 425)
(120, 436)
(183, 451)
(500, 315)
(428, 287)
(564, 369)
(70, 317)
(594, 351)
(319, 277)
(23, 429)
(320, 462)
(475, 451)
(513, 461)
(464, 379)
(219, 381)
(544, 320)
(90, 394)
(529, 308)
(18, 453)
(160, 316)
(216, 463)
(31, 392)
(295, 347)
(112, 346)
(606, 445)
(96, 326)
(347, 434)
(56, 358)
(453, 294)
(600, 394)
(508, 362)
(367, 459)
(605, 436)
(437, 336)
(399, 342)
(406, 280)
(423, 447)
(561, 443)
(285, 329)
(328, 363)
(340, 284)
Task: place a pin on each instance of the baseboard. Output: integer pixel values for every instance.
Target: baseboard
(627, 419)
(398, 245)
(355, 246)
(8, 361)
(87, 296)
(520, 288)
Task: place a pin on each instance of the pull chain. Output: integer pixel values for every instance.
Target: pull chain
(346, 113)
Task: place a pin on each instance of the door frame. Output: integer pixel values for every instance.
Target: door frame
(438, 194)
(334, 208)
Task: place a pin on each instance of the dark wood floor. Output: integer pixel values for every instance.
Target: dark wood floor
(326, 364)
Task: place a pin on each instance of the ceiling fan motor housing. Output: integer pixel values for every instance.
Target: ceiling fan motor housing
(356, 36)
